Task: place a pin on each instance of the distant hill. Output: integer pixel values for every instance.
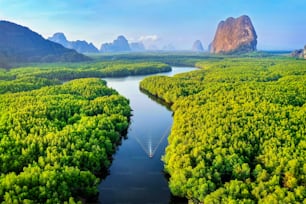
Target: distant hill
(137, 47)
(119, 45)
(19, 44)
(80, 46)
(197, 46)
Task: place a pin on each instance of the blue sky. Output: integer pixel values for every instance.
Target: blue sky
(280, 24)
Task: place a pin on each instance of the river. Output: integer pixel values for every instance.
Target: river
(136, 173)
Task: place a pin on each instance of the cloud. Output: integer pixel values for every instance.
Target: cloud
(149, 38)
(151, 42)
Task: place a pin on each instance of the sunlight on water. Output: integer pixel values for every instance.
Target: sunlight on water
(150, 147)
(151, 143)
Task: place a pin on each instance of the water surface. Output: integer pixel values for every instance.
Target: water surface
(136, 173)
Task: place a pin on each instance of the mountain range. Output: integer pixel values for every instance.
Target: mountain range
(121, 44)
(19, 44)
(118, 45)
(80, 46)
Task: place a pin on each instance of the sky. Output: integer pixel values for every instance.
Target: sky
(279, 24)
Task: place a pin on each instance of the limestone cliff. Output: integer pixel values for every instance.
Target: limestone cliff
(234, 36)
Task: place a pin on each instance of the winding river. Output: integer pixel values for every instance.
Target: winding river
(136, 174)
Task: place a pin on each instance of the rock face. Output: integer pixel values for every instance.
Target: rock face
(234, 36)
(298, 53)
(301, 53)
(137, 47)
(80, 46)
(19, 44)
(119, 45)
(197, 46)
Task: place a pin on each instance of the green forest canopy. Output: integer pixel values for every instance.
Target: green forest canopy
(54, 140)
(239, 132)
(29, 78)
(56, 135)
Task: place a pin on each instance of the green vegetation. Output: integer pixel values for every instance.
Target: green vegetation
(54, 140)
(29, 78)
(179, 58)
(239, 132)
(57, 136)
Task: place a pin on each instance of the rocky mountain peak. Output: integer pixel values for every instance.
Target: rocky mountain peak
(234, 35)
(118, 45)
(59, 37)
(80, 46)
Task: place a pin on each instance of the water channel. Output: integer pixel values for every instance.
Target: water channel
(136, 173)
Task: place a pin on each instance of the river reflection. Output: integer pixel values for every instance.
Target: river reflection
(136, 174)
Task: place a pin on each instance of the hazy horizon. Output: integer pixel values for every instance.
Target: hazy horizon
(157, 23)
